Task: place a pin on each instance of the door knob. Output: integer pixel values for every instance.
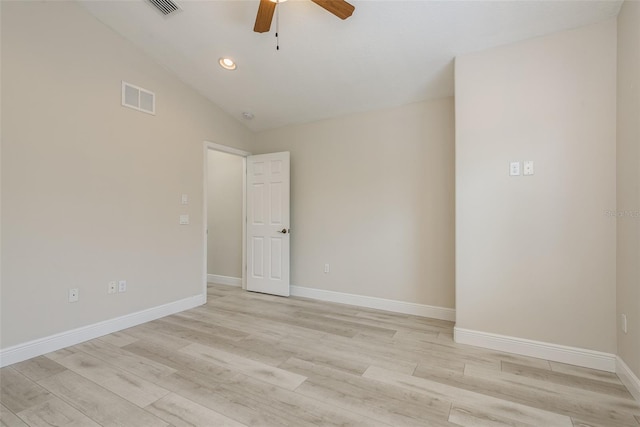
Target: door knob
(284, 231)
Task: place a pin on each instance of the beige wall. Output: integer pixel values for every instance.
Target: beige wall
(372, 195)
(224, 212)
(91, 190)
(535, 255)
(628, 193)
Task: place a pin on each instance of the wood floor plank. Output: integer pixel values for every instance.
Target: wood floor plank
(217, 290)
(296, 303)
(541, 398)
(18, 392)
(118, 339)
(334, 351)
(233, 362)
(131, 387)
(296, 406)
(346, 323)
(433, 353)
(117, 357)
(585, 372)
(233, 405)
(151, 332)
(279, 406)
(404, 324)
(56, 412)
(207, 327)
(408, 319)
(268, 310)
(184, 363)
(9, 419)
(38, 368)
(578, 382)
(247, 323)
(468, 398)
(549, 390)
(181, 412)
(99, 404)
(578, 422)
(269, 353)
(368, 351)
(391, 405)
(59, 354)
(265, 351)
(477, 417)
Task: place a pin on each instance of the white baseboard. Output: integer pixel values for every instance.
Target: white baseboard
(38, 347)
(441, 313)
(543, 350)
(628, 378)
(224, 280)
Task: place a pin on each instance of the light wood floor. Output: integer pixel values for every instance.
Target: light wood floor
(258, 360)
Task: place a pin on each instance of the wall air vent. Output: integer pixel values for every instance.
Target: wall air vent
(166, 7)
(138, 98)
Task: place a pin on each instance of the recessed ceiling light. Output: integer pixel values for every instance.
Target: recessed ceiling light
(227, 63)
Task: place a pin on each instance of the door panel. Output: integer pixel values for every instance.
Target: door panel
(268, 223)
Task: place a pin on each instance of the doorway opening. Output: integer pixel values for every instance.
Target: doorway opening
(224, 215)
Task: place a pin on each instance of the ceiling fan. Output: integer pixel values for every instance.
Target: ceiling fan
(340, 8)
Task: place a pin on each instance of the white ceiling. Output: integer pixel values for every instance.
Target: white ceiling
(389, 53)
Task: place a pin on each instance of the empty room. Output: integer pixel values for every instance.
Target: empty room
(320, 213)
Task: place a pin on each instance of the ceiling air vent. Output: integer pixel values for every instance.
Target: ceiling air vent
(138, 98)
(166, 7)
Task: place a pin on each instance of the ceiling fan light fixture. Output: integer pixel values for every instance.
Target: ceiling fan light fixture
(227, 63)
(278, 1)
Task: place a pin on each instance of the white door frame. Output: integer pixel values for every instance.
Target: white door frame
(230, 150)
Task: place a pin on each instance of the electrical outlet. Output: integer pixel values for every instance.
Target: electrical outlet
(74, 294)
(623, 322)
(528, 167)
(122, 286)
(112, 288)
(326, 268)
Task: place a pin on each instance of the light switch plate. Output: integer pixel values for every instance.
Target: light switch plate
(184, 219)
(514, 168)
(184, 199)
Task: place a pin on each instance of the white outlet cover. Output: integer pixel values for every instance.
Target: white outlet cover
(184, 220)
(112, 287)
(514, 168)
(184, 199)
(528, 167)
(74, 295)
(122, 286)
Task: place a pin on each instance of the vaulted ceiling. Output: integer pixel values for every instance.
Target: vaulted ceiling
(389, 53)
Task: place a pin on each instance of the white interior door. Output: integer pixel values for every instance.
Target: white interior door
(268, 223)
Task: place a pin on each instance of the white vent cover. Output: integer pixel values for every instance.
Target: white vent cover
(138, 98)
(166, 7)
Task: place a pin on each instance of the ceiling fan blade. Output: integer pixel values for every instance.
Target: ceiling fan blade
(340, 8)
(265, 16)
